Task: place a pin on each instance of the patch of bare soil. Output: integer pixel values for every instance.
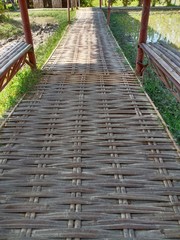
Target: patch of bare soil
(40, 33)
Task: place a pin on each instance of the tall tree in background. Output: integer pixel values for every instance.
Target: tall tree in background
(126, 2)
(140, 2)
(2, 6)
(168, 2)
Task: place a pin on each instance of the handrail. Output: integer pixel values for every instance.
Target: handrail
(167, 65)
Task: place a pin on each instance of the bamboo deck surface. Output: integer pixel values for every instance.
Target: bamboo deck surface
(84, 155)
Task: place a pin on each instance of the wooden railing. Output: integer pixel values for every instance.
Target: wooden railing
(12, 58)
(166, 62)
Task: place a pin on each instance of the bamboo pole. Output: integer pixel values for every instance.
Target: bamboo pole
(27, 30)
(142, 36)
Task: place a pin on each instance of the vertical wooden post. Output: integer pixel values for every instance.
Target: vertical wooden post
(27, 30)
(109, 12)
(142, 35)
(100, 3)
(68, 8)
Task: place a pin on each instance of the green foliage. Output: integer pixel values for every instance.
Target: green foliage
(8, 30)
(125, 29)
(2, 10)
(156, 2)
(1, 6)
(86, 3)
(126, 2)
(168, 3)
(165, 102)
(112, 2)
(19, 85)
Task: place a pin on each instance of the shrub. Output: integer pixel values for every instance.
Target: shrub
(1, 7)
(2, 10)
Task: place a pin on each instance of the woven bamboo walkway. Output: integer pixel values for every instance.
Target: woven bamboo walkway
(84, 155)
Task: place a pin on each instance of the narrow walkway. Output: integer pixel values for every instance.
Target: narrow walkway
(84, 155)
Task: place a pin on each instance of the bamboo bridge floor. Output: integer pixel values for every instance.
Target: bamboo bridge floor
(84, 155)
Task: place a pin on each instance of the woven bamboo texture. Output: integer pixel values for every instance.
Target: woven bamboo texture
(84, 155)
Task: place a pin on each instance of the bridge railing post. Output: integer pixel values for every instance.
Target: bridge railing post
(142, 36)
(27, 30)
(109, 12)
(68, 11)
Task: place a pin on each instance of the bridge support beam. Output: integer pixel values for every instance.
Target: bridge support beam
(142, 36)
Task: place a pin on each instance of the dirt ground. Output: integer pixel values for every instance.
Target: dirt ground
(40, 33)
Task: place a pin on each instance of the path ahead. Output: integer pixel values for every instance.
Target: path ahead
(84, 156)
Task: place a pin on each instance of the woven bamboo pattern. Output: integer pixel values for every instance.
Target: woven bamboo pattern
(84, 154)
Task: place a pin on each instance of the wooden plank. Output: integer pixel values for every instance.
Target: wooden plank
(174, 55)
(168, 58)
(172, 75)
(15, 55)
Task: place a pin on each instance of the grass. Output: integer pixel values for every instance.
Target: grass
(26, 79)
(123, 30)
(9, 27)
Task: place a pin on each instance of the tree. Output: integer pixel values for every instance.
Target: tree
(112, 2)
(168, 2)
(2, 10)
(126, 2)
(154, 2)
(140, 2)
(2, 6)
(86, 3)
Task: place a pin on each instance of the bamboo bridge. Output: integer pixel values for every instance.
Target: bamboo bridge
(85, 154)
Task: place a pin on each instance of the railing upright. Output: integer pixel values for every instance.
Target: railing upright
(142, 36)
(27, 30)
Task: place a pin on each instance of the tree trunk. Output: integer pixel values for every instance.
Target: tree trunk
(56, 3)
(38, 4)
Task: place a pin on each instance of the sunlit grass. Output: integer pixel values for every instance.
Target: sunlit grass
(9, 27)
